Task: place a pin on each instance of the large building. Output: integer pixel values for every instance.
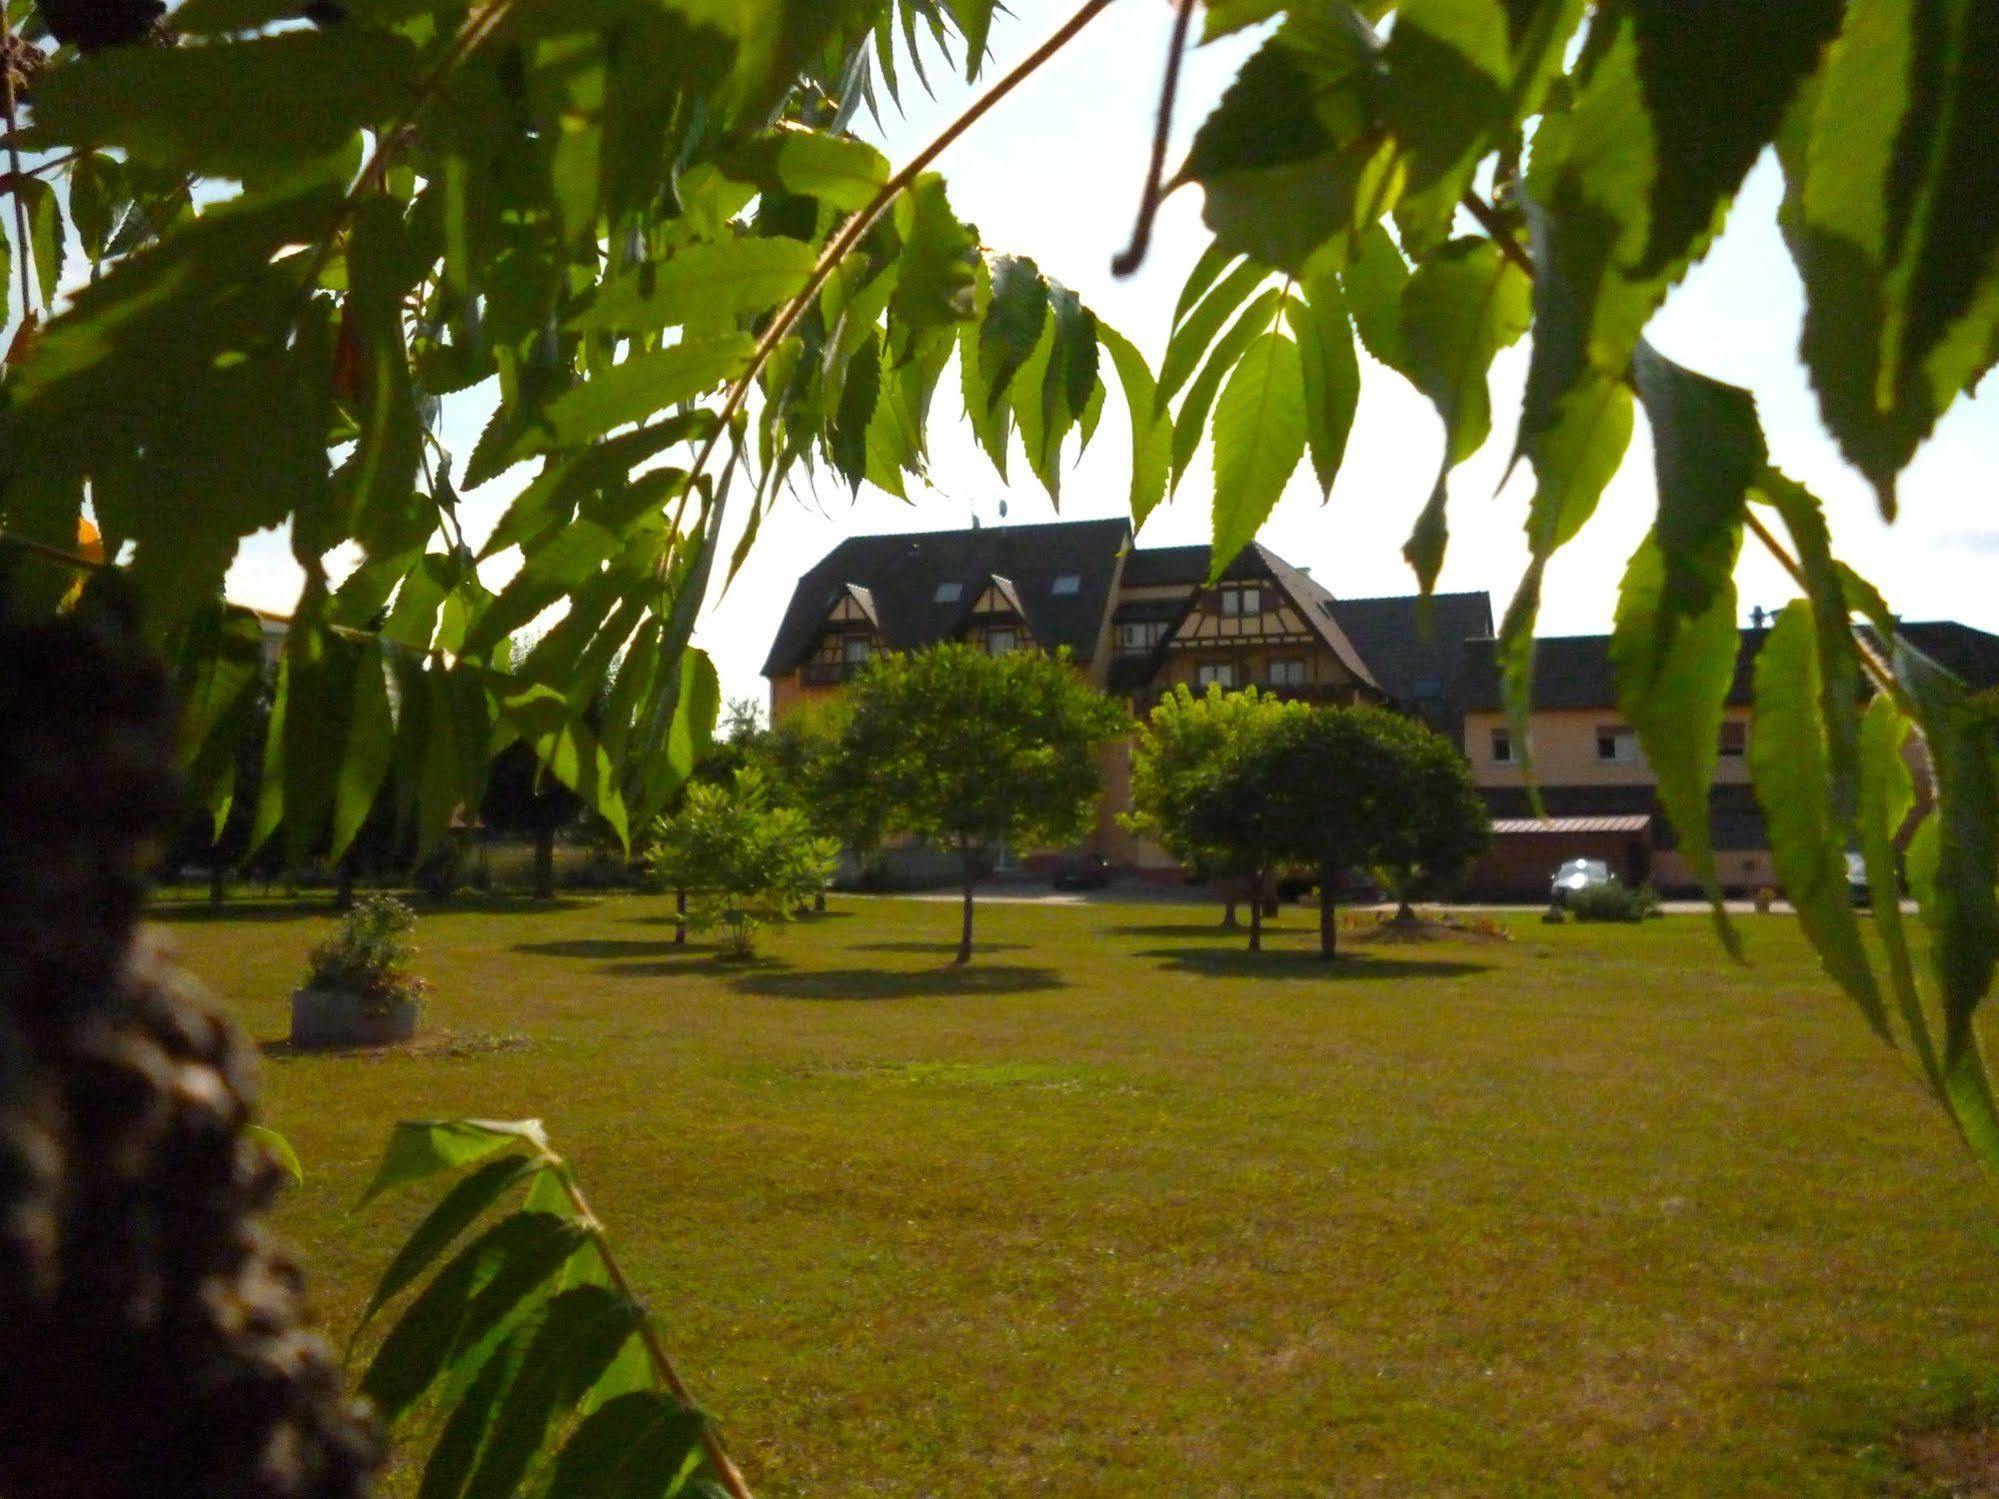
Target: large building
(1139, 621)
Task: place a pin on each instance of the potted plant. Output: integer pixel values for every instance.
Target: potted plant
(358, 988)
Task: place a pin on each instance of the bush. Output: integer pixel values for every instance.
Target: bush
(1614, 903)
(744, 862)
(370, 955)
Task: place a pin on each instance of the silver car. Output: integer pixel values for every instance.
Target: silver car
(1578, 874)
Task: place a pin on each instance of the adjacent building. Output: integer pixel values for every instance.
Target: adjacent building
(1141, 620)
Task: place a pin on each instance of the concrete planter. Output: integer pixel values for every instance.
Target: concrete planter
(336, 1017)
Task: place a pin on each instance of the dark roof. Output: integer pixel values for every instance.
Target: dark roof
(1573, 671)
(1390, 636)
(1157, 567)
(901, 574)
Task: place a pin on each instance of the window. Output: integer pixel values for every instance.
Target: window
(1289, 673)
(948, 593)
(1502, 746)
(1141, 635)
(854, 649)
(1219, 673)
(1066, 583)
(1616, 745)
(1000, 642)
(1429, 689)
(1734, 739)
(1241, 600)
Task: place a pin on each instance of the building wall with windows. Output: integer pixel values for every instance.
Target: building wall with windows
(1585, 747)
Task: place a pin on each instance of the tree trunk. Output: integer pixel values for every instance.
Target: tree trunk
(544, 863)
(1229, 921)
(217, 873)
(819, 903)
(1329, 922)
(1404, 911)
(1256, 912)
(965, 931)
(343, 895)
(680, 918)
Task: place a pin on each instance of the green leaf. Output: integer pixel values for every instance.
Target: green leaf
(456, 1211)
(707, 281)
(45, 234)
(576, 1342)
(630, 392)
(566, 748)
(1193, 334)
(1464, 304)
(1192, 420)
(839, 171)
(1011, 326)
(637, 1446)
(453, 1326)
(1895, 223)
(1886, 799)
(1331, 373)
(933, 285)
(1707, 448)
(271, 775)
(1375, 278)
(279, 1149)
(1960, 905)
(425, 1147)
(1151, 432)
(1788, 759)
(1674, 670)
(1838, 659)
(370, 744)
(1460, 75)
(231, 108)
(1290, 158)
(1259, 438)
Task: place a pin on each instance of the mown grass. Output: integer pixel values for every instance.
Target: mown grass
(1123, 1210)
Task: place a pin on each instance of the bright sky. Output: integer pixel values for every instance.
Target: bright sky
(1053, 173)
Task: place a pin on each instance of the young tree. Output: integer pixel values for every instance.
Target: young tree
(746, 861)
(1183, 746)
(971, 751)
(1343, 788)
(1444, 824)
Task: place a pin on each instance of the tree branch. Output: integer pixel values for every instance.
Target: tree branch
(851, 232)
(1132, 256)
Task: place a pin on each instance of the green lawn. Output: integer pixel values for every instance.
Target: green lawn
(1122, 1210)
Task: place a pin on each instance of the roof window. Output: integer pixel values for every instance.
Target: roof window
(948, 593)
(1067, 583)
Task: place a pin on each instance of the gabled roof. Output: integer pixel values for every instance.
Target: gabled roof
(1317, 605)
(1390, 636)
(1003, 586)
(901, 574)
(866, 599)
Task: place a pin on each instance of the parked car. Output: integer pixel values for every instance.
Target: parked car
(1857, 887)
(1081, 872)
(1578, 874)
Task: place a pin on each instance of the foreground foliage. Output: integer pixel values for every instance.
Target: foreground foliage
(546, 1373)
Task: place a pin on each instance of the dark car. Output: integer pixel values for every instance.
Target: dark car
(1081, 872)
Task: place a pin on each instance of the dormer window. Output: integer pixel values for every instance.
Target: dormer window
(1238, 601)
(948, 593)
(1066, 584)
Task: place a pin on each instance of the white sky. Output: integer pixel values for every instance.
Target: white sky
(1053, 173)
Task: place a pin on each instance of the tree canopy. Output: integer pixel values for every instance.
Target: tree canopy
(972, 752)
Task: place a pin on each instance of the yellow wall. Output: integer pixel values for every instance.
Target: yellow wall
(1564, 743)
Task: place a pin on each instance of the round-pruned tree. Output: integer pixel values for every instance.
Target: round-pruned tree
(1184, 750)
(971, 752)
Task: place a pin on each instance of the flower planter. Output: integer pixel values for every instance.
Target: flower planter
(338, 1017)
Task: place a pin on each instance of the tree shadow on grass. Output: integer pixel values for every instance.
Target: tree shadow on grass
(698, 962)
(933, 949)
(804, 918)
(1292, 965)
(606, 947)
(989, 979)
(1185, 929)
